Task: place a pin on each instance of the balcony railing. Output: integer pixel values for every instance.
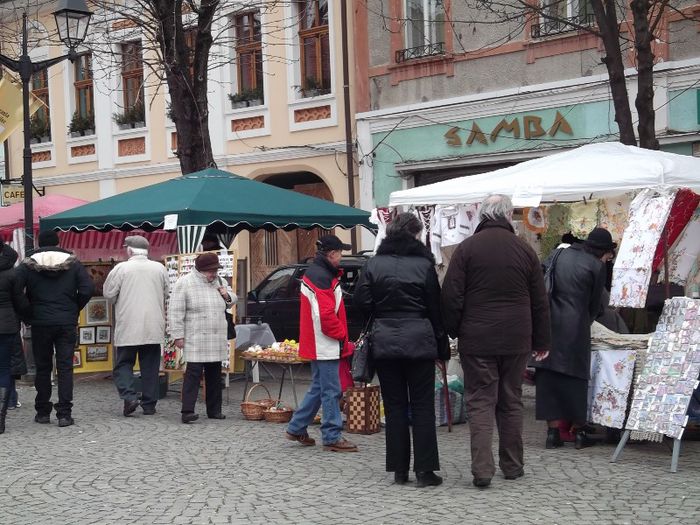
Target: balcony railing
(561, 25)
(412, 53)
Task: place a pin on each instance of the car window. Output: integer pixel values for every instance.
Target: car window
(277, 285)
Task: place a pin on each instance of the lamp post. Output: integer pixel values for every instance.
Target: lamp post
(72, 20)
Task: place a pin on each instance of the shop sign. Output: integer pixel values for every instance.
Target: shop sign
(12, 194)
(529, 126)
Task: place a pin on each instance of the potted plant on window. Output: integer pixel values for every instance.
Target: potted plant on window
(312, 87)
(81, 126)
(133, 117)
(247, 98)
(39, 130)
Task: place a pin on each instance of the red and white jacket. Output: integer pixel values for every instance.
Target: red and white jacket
(323, 329)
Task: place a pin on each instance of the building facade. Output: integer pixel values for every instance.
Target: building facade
(276, 111)
(453, 91)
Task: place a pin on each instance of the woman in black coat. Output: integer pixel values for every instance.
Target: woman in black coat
(575, 302)
(13, 303)
(399, 288)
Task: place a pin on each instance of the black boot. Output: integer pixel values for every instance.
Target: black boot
(427, 479)
(582, 440)
(4, 398)
(553, 438)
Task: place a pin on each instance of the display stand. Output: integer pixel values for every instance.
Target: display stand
(663, 389)
(94, 351)
(287, 366)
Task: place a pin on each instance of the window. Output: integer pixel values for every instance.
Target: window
(190, 42)
(249, 56)
(132, 75)
(41, 119)
(425, 29)
(563, 14)
(315, 47)
(83, 86)
(277, 285)
(271, 258)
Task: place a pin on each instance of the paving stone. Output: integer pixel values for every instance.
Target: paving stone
(141, 469)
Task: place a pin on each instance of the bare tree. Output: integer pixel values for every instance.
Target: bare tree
(182, 42)
(625, 27)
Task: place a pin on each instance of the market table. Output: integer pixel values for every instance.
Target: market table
(286, 365)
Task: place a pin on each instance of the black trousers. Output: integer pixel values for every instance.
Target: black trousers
(123, 373)
(409, 384)
(46, 340)
(212, 382)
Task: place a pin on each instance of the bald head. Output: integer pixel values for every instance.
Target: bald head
(496, 207)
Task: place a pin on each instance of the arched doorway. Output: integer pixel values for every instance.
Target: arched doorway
(270, 249)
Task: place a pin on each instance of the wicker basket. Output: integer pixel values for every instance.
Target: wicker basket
(279, 415)
(253, 410)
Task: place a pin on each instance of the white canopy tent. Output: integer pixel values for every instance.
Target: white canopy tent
(593, 171)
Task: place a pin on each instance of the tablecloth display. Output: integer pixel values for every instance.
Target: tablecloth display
(609, 387)
(632, 272)
(684, 253)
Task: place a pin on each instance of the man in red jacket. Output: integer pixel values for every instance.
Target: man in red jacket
(323, 338)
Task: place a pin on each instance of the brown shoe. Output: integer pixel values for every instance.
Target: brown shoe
(342, 445)
(303, 439)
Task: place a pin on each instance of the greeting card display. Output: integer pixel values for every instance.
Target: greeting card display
(664, 387)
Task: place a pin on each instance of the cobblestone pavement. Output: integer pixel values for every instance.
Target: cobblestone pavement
(153, 469)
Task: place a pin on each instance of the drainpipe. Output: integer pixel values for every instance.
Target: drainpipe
(350, 162)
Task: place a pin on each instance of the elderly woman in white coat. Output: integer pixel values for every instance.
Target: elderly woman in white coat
(198, 326)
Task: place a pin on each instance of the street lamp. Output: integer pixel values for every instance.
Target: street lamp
(72, 20)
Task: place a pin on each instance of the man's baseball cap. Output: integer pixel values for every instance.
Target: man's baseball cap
(136, 241)
(329, 243)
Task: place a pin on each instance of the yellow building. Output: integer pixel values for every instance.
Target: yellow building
(284, 69)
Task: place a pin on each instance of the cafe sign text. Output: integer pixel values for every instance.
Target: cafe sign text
(529, 126)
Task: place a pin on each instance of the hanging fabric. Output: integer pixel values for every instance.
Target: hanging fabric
(189, 237)
(685, 252)
(633, 266)
(685, 203)
(226, 239)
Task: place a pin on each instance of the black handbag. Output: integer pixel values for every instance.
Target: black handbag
(362, 368)
(230, 326)
(549, 273)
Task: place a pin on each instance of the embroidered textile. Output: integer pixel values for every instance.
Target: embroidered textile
(684, 253)
(381, 217)
(684, 205)
(613, 214)
(583, 218)
(632, 271)
(609, 386)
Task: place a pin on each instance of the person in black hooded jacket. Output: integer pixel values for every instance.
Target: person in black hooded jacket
(58, 287)
(13, 305)
(399, 287)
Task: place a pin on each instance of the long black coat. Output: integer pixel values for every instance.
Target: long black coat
(400, 287)
(493, 295)
(579, 280)
(13, 302)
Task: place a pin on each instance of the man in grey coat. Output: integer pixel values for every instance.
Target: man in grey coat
(138, 288)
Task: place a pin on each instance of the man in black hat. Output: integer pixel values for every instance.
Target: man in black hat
(575, 302)
(58, 287)
(323, 339)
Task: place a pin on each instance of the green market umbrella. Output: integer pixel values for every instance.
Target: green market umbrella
(222, 201)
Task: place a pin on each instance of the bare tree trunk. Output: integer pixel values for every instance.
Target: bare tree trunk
(606, 19)
(645, 79)
(186, 75)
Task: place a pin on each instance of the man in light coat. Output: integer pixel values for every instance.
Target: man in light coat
(138, 289)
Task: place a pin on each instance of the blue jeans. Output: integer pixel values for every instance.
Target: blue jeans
(324, 392)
